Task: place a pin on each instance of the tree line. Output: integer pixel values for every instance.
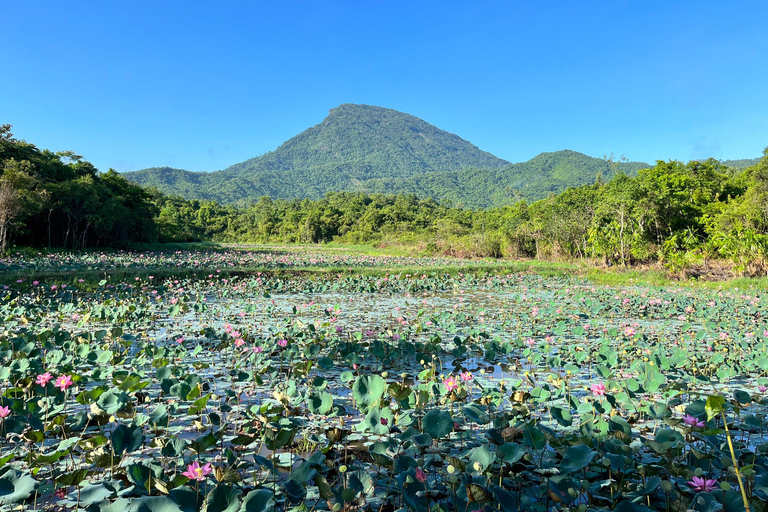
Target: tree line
(681, 214)
(58, 199)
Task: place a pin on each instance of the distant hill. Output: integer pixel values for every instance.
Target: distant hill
(354, 143)
(362, 147)
(741, 164)
(532, 180)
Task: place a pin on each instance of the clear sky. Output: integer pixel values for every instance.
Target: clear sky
(203, 85)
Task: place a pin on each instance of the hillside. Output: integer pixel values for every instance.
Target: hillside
(484, 188)
(361, 147)
(741, 164)
(353, 143)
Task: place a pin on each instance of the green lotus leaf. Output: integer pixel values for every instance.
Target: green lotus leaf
(437, 424)
(368, 391)
(577, 458)
(16, 486)
(91, 494)
(510, 452)
(127, 439)
(320, 403)
(112, 400)
(481, 458)
(223, 498)
(259, 500)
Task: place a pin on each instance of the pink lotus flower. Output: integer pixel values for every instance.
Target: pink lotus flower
(44, 378)
(384, 421)
(4, 412)
(196, 472)
(700, 484)
(420, 475)
(450, 384)
(693, 421)
(598, 389)
(239, 342)
(283, 343)
(465, 376)
(60, 493)
(63, 382)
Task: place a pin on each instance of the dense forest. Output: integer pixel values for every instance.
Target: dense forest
(60, 200)
(362, 148)
(680, 214)
(547, 173)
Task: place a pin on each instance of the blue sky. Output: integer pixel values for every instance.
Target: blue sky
(200, 86)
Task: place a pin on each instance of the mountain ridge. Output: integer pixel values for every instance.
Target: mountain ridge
(365, 147)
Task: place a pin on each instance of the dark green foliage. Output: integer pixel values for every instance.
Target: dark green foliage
(353, 144)
(59, 199)
(548, 173)
(741, 163)
(378, 150)
(681, 214)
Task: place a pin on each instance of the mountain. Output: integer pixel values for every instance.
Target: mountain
(741, 164)
(362, 147)
(354, 143)
(532, 180)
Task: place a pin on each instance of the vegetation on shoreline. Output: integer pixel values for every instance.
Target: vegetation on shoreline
(684, 216)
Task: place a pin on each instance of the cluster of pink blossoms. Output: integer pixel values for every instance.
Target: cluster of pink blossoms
(63, 382)
(452, 383)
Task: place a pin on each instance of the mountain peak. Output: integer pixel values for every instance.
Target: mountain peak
(361, 142)
(371, 148)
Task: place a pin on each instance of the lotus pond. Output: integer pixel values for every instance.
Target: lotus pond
(218, 259)
(423, 392)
